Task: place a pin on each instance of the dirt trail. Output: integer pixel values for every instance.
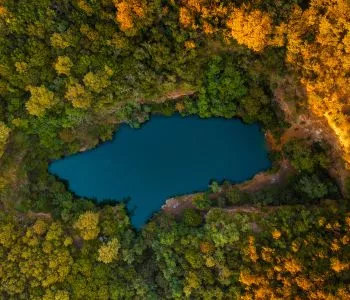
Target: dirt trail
(173, 95)
(35, 215)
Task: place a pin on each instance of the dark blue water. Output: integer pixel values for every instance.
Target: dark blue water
(166, 157)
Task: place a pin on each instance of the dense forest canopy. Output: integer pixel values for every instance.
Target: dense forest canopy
(72, 70)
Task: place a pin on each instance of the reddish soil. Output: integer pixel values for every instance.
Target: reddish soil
(265, 179)
(177, 205)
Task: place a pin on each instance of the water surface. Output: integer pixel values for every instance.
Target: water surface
(168, 156)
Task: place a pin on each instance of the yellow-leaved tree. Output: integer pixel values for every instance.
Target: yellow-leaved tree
(78, 96)
(63, 65)
(4, 135)
(318, 46)
(96, 82)
(109, 251)
(131, 14)
(40, 100)
(87, 224)
(203, 14)
(250, 28)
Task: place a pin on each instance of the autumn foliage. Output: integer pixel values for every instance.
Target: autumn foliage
(87, 224)
(317, 42)
(290, 266)
(40, 100)
(250, 28)
(130, 13)
(4, 135)
(71, 71)
(318, 46)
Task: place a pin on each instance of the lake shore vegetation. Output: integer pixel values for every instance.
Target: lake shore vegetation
(71, 71)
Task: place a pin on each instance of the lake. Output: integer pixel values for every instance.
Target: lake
(167, 156)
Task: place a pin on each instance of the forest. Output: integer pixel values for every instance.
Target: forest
(72, 71)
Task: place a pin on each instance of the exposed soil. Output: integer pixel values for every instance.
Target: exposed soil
(266, 179)
(173, 95)
(35, 215)
(177, 205)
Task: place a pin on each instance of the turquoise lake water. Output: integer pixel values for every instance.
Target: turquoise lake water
(167, 156)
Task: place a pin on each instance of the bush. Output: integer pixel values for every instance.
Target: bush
(192, 218)
(234, 196)
(311, 187)
(202, 202)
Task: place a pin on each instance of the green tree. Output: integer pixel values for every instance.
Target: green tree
(223, 87)
(192, 218)
(312, 187)
(215, 187)
(202, 202)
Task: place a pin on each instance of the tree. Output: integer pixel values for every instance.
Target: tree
(301, 155)
(98, 81)
(192, 218)
(4, 135)
(347, 186)
(40, 100)
(56, 295)
(132, 15)
(234, 196)
(215, 187)
(250, 28)
(318, 48)
(202, 202)
(222, 233)
(223, 87)
(87, 224)
(79, 96)
(59, 41)
(109, 252)
(312, 187)
(63, 65)
(186, 18)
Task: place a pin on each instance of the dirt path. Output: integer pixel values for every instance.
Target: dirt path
(173, 95)
(35, 215)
